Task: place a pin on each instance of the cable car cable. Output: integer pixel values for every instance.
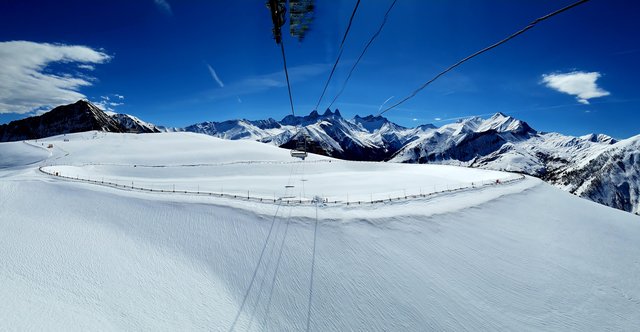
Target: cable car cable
(346, 32)
(255, 272)
(286, 73)
(375, 35)
(519, 32)
(313, 265)
(264, 247)
(275, 273)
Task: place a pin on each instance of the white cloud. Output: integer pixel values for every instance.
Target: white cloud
(86, 66)
(437, 119)
(214, 75)
(164, 6)
(25, 86)
(101, 105)
(578, 83)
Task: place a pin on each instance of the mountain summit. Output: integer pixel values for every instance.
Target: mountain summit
(77, 117)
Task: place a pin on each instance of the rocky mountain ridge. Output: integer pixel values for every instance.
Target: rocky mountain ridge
(77, 117)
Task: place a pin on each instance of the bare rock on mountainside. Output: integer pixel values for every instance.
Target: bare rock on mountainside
(73, 118)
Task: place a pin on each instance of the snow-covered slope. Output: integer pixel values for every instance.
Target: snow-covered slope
(203, 163)
(523, 256)
(541, 155)
(610, 177)
(505, 143)
(464, 140)
(132, 124)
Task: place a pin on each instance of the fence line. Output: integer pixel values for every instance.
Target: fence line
(291, 200)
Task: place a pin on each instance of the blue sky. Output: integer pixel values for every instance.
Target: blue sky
(575, 73)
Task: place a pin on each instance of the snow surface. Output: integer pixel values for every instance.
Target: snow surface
(77, 256)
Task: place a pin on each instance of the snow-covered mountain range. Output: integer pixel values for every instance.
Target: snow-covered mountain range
(370, 138)
(594, 166)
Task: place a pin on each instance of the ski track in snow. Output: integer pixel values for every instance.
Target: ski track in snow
(524, 256)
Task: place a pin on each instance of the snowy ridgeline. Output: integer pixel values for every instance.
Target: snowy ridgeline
(80, 256)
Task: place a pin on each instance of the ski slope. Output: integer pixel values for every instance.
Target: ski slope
(76, 256)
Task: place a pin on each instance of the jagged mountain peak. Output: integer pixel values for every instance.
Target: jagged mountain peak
(498, 122)
(313, 117)
(370, 117)
(599, 138)
(504, 123)
(77, 117)
(371, 123)
(470, 119)
(80, 106)
(499, 115)
(72, 118)
(427, 126)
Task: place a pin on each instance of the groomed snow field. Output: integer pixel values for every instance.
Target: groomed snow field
(519, 255)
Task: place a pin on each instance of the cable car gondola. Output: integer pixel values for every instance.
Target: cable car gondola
(300, 151)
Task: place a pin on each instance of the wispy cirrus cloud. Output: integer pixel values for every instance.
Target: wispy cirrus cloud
(386, 101)
(164, 6)
(25, 85)
(214, 75)
(86, 66)
(580, 84)
(261, 83)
